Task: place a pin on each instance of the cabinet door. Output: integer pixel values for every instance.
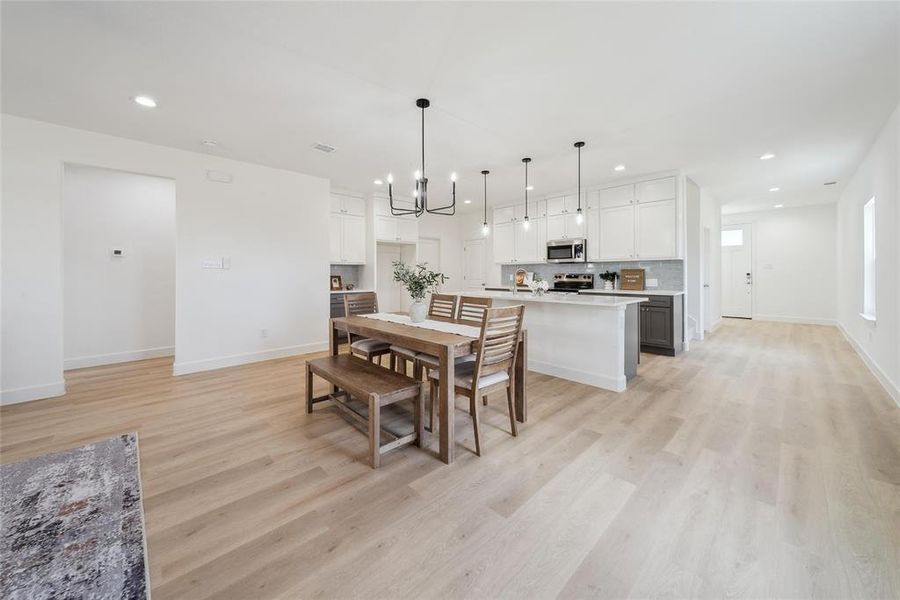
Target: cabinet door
(505, 214)
(535, 210)
(655, 229)
(541, 229)
(572, 203)
(504, 243)
(556, 206)
(335, 233)
(656, 324)
(573, 229)
(617, 232)
(336, 204)
(556, 227)
(593, 234)
(526, 241)
(353, 233)
(354, 206)
(621, 195)
(386, 228)
(655, 190)
(407, 230)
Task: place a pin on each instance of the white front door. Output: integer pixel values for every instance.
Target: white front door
(473, 267)
(737, 277)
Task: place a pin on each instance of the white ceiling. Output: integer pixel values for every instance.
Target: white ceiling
(704, 87)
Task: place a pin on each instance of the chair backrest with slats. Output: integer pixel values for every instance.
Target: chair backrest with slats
(499, 341)
(471, 308)
(363, 303)
(442, 307)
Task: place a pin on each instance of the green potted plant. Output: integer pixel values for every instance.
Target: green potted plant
(418, 281)
(609, 279)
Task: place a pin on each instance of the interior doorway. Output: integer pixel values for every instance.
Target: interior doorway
(430, 254)
(473, 266)
(391, 295)
(118, 266)
(737, 274)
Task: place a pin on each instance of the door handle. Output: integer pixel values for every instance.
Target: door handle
(749, 279)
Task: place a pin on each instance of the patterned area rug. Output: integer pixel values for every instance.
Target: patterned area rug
(73, 524)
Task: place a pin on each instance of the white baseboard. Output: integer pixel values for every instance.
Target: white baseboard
(889, 386)
(34, 392)
(715, 325)
(798, 320)
(615, 384)
(209, 364)
(117, 357)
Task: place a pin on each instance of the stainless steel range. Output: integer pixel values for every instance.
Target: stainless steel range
(572, 282)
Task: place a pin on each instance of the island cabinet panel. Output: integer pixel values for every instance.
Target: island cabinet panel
(655, 227)
(662, 325)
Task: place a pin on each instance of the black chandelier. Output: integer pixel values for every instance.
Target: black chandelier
(420, 196)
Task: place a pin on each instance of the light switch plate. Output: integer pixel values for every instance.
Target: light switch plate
(652, 283)
(211, 263)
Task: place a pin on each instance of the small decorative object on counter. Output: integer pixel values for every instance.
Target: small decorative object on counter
(350, 286)
(523, 277)
(537, 286)
(609, 279)
(418, 281)
(336, 283)
(632, 279)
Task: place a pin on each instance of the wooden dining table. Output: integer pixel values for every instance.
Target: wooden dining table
(446, 346)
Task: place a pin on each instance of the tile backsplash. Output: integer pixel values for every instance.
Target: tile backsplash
(669, 273)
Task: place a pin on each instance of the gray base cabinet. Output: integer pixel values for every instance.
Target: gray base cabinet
(661, 323)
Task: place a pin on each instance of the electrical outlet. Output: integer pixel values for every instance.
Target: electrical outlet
(263, 333)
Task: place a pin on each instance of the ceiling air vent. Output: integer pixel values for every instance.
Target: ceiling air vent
(323, 148)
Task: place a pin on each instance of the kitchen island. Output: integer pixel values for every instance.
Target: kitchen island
(589, 339)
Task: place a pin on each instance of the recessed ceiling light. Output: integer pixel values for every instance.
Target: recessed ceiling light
(323, 148)
(767, 156)
(619, 168)
(779, 206)
(774, 189)
(210, 143)
(529, 187)
(378, 182)
(467, 202)
(145, 101)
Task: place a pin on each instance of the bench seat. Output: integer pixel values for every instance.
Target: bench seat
(375, 387)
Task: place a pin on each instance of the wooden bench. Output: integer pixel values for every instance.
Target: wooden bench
(375, 387)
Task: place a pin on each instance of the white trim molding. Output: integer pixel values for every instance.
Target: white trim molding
(798, 320)
(34, 392)
(889, 386)
(222, 362)
(97, 360)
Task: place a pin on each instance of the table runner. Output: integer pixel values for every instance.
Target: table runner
(443, 326)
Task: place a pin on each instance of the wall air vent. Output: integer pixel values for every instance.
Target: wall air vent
(323, 148)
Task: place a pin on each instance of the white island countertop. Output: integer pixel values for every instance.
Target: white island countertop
(610, 302)
(650, 292)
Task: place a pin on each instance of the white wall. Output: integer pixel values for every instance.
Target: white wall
(710, 260)
(693, 322)
(877, 175)
(117, 309)
(793, 263)
(273, 224)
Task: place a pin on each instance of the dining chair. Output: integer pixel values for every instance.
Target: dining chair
(492, 369)
(364, 303)
(441, 307)
(471, 308)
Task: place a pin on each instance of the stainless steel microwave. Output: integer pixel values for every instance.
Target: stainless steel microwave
(567, 251)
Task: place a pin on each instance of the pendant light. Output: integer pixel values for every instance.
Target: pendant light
(579, 215)
(420, 194)
(525, 223)
(485, 230)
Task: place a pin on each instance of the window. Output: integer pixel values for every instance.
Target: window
(869, 259)
(732, 237)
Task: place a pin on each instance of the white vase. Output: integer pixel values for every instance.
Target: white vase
(417, 312)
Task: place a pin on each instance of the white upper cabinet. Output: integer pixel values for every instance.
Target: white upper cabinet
(506, 214)
(513, 244)
(592, 227)
(621, 195)
(504, 242)
(526, 250)
(383, 207)
(656, 190)
(561, 205)
(347, 229)
(616, 233)
(565, 226)
(536, 209)
(391, 228)
(655, 228)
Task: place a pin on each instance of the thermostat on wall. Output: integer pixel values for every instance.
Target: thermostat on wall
(117, 252)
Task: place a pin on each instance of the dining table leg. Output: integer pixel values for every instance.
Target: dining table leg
(521, 370)
(446, 400)
(334, 344)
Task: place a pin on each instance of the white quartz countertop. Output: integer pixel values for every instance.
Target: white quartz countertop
(614, 302)
(652, 292)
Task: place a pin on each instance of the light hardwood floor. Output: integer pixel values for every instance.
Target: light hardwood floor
(763, 463)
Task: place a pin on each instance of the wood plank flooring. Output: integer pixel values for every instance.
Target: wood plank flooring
(763, 463)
